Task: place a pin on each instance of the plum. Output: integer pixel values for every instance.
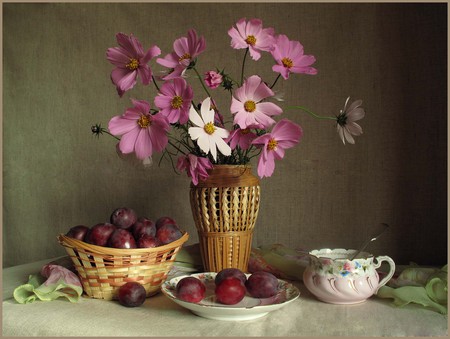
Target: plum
(230, 291)
(99, 234)
(230, 272)
(121, 238)
(143, 226)
(148, 241)
(123, 217)
(78, 232)
(262, 285)
(191, 289)
(131, 294)
(168, 233)
(164, 220)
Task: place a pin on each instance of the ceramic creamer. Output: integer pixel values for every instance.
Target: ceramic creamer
(333, 278)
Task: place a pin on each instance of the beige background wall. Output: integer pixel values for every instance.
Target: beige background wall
(324, 194)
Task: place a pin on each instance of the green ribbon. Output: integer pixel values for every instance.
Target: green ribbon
(36, 289)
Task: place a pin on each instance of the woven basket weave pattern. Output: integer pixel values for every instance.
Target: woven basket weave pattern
(225, 208)
(102, 270)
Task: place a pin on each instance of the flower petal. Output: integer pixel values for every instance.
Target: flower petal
(206, 111)
(126, 81)
(354, 128)
(286, 130)
(195, 132)
(195, 117)
(353, 105)
(250, 86)
(268, 108)
(262, 92)
(119, 125)
(143, 145)
(355, 114)
(128, 140)
(223, 147)
(151, 53)
(117, 56)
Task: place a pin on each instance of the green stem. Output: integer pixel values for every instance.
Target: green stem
(200, 78)
(278, 77)
(243, 64)
(154, 82)
(311, 113)
(106, 131)
(177, 148)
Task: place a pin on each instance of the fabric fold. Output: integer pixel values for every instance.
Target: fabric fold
(53, 282)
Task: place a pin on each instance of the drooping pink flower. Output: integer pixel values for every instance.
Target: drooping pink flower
(195, 167)
(290, 58)
(185, 50)
(130, 61)
(346, 125)
(251, 34)
(248, 106)
(174, 100)
(213, 79)
(142, 132)
(241, 137)
(285, 134)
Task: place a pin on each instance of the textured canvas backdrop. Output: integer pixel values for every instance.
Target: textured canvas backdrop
(323, 194)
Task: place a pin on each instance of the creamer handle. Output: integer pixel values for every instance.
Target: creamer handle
(391, 262)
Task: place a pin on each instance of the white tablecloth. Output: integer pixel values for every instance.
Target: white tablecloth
(159, 316)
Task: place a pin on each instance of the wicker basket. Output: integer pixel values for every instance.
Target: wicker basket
(102, 270)
(225, 208)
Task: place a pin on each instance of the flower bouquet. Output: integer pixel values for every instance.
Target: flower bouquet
(198, 135)
(196, 131)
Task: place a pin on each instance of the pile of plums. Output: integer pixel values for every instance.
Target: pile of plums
(231, 286)
(126, 230)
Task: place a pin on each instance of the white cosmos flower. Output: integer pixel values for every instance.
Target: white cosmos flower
(209, 137)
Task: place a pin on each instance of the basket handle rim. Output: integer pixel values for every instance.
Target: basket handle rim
(75, 243)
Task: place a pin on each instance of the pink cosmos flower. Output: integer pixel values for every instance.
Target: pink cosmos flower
(130, 61)
(248, 105)
(195, 167)
(213, 79)
(141, 131)
(290, 58)
(346, 125)
(285, 134)
(186, 49)
(251, 34)
(241, 137)
(174, 100)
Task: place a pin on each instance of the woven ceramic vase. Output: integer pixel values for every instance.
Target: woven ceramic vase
(225, 207)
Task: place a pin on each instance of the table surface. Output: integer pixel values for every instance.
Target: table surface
(159, 316)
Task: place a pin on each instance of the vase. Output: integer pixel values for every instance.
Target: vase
(225, 208)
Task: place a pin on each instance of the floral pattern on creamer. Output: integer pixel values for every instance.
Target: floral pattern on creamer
(342, 268)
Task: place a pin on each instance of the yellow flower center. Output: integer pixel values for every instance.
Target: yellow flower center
(245, 131)
(184, 57)
(144, 121)
(133, 64)
(287, 62)
(251, 40)
(177, 101)
(272, 144)
(209, 128)
(250, 106)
